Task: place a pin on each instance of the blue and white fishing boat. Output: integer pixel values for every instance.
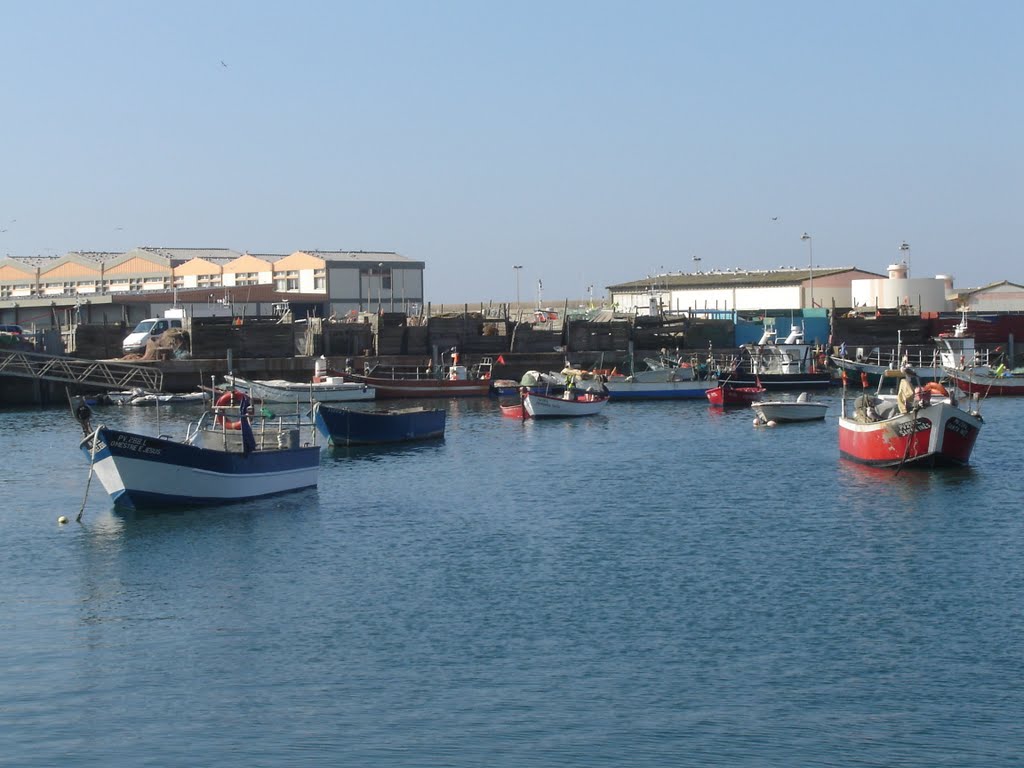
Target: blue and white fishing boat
(220, 460)
(660, 381)
(346, 426)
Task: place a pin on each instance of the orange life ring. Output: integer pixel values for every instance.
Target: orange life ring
(228, 399)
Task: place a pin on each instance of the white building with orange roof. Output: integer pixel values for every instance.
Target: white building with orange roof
(349, 281)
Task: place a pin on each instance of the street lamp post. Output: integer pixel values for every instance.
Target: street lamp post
(516, 268)
(380, 286)
(810, 265)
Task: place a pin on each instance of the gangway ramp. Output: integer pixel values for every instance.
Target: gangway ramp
(90, 374)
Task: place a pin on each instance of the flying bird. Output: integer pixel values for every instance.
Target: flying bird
(222, 63)
(775, 218)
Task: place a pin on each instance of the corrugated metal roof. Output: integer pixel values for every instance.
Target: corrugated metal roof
(213, 255)
(187, 254)
(362, 256)
(730, 278)
(98, 256)
(989, 287)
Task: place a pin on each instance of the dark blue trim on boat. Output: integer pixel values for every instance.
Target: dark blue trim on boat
(346, 426)
(163, 451)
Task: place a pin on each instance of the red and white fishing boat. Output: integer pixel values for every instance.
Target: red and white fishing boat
(539, 406)
(934, 433)
(987, 381)
(731, 394)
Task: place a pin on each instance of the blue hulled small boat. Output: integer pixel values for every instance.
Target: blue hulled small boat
(345, 426)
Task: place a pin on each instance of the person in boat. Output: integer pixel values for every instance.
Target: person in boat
(570, 388)
(907, 391)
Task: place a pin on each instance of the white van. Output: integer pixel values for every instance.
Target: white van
(150, 328)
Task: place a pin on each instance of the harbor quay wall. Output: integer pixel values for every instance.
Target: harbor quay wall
(283, 350)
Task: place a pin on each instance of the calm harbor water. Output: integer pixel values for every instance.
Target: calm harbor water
(658, 585)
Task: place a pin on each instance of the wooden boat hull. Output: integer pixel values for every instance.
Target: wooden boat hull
(545, 407)
(984, 384)
(938, 435)
(723, 396)
(388, 388)
(139, 471)
(344, 426)
(786, 411)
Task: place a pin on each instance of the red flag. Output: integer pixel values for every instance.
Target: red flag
(501, 360)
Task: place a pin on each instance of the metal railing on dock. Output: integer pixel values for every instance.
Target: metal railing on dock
(88, 373)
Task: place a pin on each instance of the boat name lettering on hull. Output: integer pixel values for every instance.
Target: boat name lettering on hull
(134, 445)
(959, 426)
(909, 427)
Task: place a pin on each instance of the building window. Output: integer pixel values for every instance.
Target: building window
(379, 276)
(287, 281)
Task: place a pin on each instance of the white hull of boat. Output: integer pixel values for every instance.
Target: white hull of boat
(153, 480)
(781, 411)
(545, 407)
(333, 390)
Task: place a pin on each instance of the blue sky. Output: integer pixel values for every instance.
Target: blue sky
(590, 142)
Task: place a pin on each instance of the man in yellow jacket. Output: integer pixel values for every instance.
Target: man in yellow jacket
(905, 393)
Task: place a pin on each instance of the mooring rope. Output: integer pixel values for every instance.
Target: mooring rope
(92, 461)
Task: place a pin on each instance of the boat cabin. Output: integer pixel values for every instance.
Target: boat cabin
(788, 356)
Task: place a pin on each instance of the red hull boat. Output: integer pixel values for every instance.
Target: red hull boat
(936, 435)
(986, 383)
(728, 394)
(513, 411)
